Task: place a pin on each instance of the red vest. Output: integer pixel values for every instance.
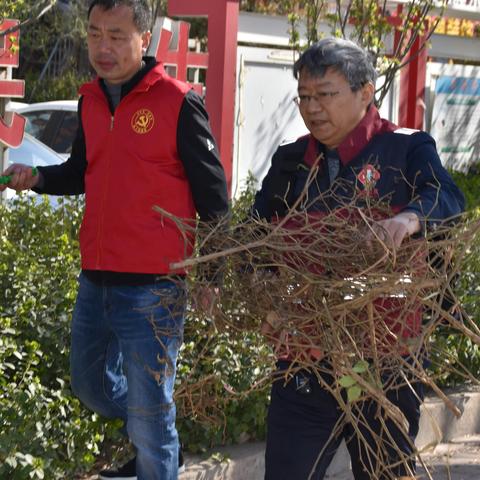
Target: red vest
(132, 165)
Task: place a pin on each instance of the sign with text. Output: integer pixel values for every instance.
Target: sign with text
(456, 120)
(460, 27)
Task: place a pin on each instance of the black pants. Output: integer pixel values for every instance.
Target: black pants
(301, 421)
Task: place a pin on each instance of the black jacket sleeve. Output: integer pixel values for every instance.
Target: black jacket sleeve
(67, 178)
(200, 157)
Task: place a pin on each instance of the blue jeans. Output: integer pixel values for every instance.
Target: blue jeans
(125, 342)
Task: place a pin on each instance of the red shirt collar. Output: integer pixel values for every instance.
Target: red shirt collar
(370, 125)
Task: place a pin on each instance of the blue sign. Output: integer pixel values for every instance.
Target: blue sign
(458, 85)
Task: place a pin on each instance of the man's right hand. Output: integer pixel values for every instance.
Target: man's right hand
(22, 178)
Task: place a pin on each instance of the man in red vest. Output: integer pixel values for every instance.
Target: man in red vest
(144, 139)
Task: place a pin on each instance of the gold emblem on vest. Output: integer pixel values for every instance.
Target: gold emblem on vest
(142, 121)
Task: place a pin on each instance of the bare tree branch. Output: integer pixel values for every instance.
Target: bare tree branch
(39, 10)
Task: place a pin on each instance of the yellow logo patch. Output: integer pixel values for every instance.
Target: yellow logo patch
(142, 121)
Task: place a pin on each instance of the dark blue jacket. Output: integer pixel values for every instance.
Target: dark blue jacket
(410, 176)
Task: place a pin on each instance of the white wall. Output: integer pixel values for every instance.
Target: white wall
(265, 115)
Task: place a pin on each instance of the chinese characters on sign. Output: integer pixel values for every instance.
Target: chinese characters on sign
(11, 124)
(461, 27)
(178, 56)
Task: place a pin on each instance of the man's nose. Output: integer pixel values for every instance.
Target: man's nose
(314, 105)
(104, 45)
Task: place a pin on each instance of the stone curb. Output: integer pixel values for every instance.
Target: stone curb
(437, 425)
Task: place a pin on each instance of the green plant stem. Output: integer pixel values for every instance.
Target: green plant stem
(4, 179)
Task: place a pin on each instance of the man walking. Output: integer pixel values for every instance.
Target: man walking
(362, 156)
(143, 140)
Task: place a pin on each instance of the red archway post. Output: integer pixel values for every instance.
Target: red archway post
(413, 75)
(221, 74)
(412, 87)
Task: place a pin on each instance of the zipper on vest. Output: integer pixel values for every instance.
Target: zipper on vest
(101, 221)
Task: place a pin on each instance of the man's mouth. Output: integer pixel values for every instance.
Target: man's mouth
(105, 64)
(318, 123)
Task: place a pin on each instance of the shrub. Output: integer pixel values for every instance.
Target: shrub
(456, 357)
(469, 184)
(235, 363)
(45, 431)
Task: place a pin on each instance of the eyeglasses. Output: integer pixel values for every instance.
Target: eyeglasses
(322, 98)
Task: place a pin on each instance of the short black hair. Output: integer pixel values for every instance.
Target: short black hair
(140, 9)
(344, 56)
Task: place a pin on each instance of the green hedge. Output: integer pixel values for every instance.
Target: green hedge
(470, 185)
(45, 431)
(459, 355)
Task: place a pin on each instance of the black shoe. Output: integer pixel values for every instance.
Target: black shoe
(181, 461)
(127, 472)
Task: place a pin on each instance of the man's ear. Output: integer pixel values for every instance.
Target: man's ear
(146, 37)
(368, 93)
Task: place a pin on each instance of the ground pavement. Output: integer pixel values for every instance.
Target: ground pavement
(458, 459)
(450, 448)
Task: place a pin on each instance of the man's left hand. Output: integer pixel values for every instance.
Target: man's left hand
(394, 230)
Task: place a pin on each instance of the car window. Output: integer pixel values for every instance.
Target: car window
(33, 153)
(62, 143)
(36, 122)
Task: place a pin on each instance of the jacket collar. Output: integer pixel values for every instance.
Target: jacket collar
(148, 75)
(141, 79)
(370, 125)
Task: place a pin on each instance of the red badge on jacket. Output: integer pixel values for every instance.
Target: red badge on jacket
(369, 177)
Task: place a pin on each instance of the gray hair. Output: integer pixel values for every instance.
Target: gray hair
(344, 56)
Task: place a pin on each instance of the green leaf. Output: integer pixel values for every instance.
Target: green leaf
(353, 393)
(361, 366)
(347, 381)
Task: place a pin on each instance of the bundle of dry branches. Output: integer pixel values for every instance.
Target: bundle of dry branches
(333, 295)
